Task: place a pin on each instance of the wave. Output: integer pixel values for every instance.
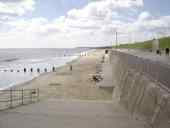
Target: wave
(10, 60)
(14, 74)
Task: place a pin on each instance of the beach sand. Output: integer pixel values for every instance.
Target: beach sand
(75, 84)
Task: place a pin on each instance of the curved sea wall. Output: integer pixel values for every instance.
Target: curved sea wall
(141, 93)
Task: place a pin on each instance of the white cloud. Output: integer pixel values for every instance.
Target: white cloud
(144, 16)
(120, 3)
(16, 7)
(93, 25)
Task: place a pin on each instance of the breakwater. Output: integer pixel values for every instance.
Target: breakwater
(142, 86)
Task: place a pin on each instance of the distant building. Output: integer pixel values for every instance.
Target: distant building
(155, 45)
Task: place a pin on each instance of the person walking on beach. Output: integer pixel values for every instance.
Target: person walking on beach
(71, 67)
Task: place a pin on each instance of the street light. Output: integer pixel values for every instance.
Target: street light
(116, 39)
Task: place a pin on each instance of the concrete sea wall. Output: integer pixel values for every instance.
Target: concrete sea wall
(139, 93)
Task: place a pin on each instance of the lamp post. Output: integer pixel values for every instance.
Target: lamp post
(116, 39)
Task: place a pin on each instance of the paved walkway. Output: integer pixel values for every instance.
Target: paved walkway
(155, 66)
(69, 114)
(148, 55)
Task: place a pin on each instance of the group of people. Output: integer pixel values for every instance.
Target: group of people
(167, 52)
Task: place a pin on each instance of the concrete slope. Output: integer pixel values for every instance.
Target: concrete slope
(69, 114)
(106, 74)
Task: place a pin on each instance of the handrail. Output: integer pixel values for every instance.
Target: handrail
(16, 97)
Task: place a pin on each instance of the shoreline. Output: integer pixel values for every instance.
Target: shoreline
(24, 84)
(19, 83)
(16, 84)
(48, 73)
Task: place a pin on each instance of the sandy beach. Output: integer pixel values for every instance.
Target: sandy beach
(75, 84)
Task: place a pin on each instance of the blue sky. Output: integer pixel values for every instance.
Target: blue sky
(157, 7)
(55, 8)
(73, 23)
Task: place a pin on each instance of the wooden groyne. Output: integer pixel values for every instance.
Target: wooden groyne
(25, 70)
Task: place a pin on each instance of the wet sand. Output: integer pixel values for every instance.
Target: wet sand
(75, 84)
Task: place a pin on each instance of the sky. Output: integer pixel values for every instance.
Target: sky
(78, 23)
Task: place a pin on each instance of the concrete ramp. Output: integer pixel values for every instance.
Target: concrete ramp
(107, 81)
(69, 114)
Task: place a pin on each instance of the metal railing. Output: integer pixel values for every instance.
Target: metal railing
(12, 98)
(157, 71)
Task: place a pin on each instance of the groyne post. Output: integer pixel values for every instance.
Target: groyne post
(45, 70)
(38, 70)
(53, 69)
(31, 69)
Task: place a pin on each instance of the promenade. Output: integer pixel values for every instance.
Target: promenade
(54, 113)
(148, 55)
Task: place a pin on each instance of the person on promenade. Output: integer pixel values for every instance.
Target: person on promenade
(167, 51)
(158, 52)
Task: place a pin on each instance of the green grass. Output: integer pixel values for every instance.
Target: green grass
(164, 43)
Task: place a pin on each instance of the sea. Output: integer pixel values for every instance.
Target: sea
(14, 61)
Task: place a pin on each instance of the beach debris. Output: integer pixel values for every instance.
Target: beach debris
(12, 70)
(54, 84)
(33, 92)
(97, 77)
(18, 70)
